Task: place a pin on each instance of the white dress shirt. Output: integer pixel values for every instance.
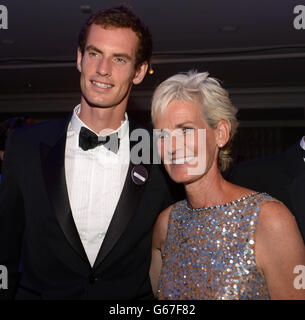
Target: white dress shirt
(95, 179)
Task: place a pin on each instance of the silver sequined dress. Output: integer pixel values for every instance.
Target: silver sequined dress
(209, 252)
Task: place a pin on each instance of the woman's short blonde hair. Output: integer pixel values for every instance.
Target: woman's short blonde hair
(214, 101)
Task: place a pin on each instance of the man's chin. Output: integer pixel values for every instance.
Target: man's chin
(98, 104)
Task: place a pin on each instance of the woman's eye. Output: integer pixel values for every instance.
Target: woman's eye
(183, 131)
(188, 130)
(162, 135)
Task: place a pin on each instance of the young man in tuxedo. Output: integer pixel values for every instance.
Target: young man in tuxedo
(71, 211)
(282, 176)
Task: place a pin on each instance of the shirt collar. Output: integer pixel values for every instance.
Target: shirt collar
(76, 123)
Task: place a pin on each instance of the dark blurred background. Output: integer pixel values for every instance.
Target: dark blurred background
(251, 46)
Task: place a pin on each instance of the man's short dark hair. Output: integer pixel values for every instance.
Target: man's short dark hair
(120, 17)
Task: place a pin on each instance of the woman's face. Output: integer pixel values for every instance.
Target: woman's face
(186, 144)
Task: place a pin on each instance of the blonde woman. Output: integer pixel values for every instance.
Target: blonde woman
(223, 241)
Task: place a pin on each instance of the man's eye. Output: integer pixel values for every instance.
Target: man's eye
(120, 60)
(92, 54)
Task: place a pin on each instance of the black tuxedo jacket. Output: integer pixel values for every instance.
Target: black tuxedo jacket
(37, 226)
(282, 176)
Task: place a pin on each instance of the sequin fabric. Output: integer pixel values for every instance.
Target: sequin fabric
(209, 252)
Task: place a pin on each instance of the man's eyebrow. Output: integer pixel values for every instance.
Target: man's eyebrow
(91, 47)
(122, 55)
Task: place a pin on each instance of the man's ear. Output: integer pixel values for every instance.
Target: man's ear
(140, 73)
(79, 60)
(223, 133)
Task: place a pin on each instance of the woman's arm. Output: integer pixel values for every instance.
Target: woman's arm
(158, 242)
(279, 249)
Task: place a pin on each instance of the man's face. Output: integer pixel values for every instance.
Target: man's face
(108, 66)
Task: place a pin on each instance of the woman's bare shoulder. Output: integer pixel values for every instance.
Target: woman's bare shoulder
(279, 248)
(275, 217)
(277, 227)
(162, 220)
(160, 229)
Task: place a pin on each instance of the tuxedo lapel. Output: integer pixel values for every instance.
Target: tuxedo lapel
(125, 209)
(53, 158)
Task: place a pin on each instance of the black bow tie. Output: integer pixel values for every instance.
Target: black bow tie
(89, 140)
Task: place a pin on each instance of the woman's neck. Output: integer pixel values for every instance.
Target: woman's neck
(212, 189)
(207, 191)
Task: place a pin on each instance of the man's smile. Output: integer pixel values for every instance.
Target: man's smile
(102, 85)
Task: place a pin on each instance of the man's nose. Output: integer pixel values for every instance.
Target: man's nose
(104, 67)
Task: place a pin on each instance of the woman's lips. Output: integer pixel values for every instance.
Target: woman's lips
(183, 160)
